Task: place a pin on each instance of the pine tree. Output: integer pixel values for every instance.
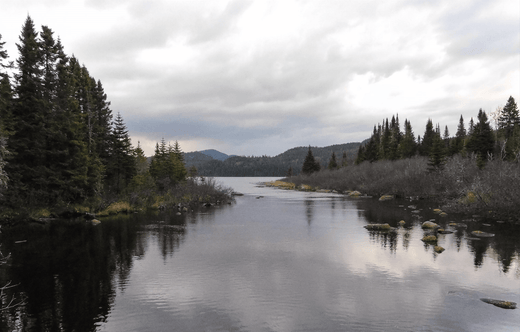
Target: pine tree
(122, 166)
(407, 146)
(509, 117)
(344, 160)
(427, 139)
(310, 165)
(28, 167)
(458, 142)
(481, 141)
(333, 164)
(437, 157)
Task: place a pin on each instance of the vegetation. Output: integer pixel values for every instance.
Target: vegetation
(477, 170)
(279, 165)
(61, 149)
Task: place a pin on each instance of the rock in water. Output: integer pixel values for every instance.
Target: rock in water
(429, 225)
(482, 234)
(500, 304)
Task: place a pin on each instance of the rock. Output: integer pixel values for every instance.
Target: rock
(379, 227)
(438, 249)
(429, 225)
(458, 225)
(402, 222)
(443, 214)
(95, 222)
(500, 304)
(386, 197)
(354, 193)
(413, 207)
(482, 234)
(416, 211)
(258, 197)
(443, 231)
(437, 211)
(429, 238)
(487, 225)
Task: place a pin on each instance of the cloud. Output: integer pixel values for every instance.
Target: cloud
(283, 68)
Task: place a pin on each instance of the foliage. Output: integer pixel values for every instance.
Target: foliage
(310, 165)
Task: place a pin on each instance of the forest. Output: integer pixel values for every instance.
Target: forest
(62, 150)
(477, 169)
(288, 162)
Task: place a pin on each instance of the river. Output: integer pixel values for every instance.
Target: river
(274, 260)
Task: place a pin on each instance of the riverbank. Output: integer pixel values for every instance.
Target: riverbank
(460, 186)
(184, 197)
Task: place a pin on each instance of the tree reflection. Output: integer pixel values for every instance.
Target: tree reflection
(67, 272)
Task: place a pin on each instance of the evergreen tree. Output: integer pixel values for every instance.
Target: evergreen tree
(28, 167)
(386, 135)
(509, 117)
(481, 141)
(360, 155)
(427, 139)
(344, 160)
(333, 164)
(395, 139)
(460, 136)
(290, 172)
(310, 165)
(407, 146)
(122, 166)
(437, 157)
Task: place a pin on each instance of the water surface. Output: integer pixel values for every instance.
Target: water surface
(274, 260)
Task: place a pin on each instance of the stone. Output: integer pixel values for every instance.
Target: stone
(482, 234)
(379, 227)
(500, 304)
(429, 225)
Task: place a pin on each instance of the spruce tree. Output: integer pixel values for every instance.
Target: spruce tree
(509, 117)
(344, 160)
(427, 139)
(458, 142)
(407, 146)
(122, 165)
(28, 167)
(481, 142)
(333, 164)
(437, 157)
(310, 165)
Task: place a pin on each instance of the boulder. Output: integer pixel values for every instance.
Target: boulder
(429, 238)
(354, 193)
(429, 225)
(438, 249)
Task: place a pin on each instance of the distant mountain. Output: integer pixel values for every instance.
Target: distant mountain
(266, 166)
(215, 154)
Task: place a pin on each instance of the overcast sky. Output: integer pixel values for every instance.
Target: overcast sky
(260, 77)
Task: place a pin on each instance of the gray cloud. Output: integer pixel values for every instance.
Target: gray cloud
(271, 75)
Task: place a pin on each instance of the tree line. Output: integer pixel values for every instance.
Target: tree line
(59, 140)
(388, 142)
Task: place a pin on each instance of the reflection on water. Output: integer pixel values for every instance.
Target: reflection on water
(286, 261)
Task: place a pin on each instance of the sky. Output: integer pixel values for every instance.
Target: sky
(251, 77)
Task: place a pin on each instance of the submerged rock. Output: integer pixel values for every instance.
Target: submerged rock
(482, 234)
(458, 225)
(379, 227)
(500, 304)
(438, 249)
(443, 231)
(429, 225)
(386, 197)
(429, 238)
